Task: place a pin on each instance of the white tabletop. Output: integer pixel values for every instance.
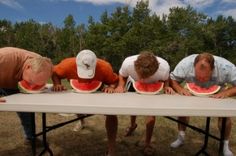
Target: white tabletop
(120, 104)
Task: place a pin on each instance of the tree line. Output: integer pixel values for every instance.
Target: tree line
(127, 31)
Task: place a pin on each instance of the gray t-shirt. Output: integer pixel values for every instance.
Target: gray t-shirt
(224, 72)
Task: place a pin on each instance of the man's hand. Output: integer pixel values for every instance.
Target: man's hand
(58, 88)
(2, 100)
(225, 93)
(169, 90)
(119, 89)
(178, 88)
(220, 95)
(108, 89)
(184, 92)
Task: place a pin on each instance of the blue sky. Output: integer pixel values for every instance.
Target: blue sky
(55, 11)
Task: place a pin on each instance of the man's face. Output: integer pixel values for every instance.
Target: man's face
(35, 78)
(203, 71)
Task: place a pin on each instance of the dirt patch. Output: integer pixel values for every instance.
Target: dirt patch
(92, 140)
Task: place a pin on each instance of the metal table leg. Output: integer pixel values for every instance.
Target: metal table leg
(46, 129)
(33, 144)
(204, 147)
(222, 135)
(45, 144)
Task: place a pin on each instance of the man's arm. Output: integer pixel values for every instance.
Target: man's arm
(57, 86)
(110, 78)
(167, 88)
(2, 100)
(231, 79)
(121, 85)
(226, 93)
(178, 88)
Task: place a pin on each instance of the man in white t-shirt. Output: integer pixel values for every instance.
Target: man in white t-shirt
(147, 68)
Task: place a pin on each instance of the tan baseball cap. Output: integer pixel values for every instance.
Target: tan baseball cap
(86, 64)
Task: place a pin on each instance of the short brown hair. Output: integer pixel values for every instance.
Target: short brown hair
(207, 57)
(146, 64)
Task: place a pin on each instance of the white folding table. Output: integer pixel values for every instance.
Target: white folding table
(129, 103)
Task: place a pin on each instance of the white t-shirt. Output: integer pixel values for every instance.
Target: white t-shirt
(127, 69)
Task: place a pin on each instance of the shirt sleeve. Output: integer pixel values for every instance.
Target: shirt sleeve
(167, 72)
(232, 74)
(180, 72)
(225, 71)
(123, 69)
(61, 69)
(110, 76)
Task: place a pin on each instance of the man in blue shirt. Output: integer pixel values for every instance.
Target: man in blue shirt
(204, 70)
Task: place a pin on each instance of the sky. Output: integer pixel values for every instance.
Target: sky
(55, 11)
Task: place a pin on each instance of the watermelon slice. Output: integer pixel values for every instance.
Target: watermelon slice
(25, 87)
(200, 91)
(148, 88)
(85, 87)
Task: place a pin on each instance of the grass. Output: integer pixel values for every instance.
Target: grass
(92, 140)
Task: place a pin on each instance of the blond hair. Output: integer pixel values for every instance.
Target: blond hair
(39, 64)
(146, 64)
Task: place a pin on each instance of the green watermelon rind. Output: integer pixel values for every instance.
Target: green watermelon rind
(27, 91)
(77, 90)
(187, 85)
(147, 92)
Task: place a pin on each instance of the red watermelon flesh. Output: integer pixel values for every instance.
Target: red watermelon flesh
(148, 88)
(85, 87)
(26, 87)
(201, 91)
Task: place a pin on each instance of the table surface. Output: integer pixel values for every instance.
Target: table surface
(129, 103)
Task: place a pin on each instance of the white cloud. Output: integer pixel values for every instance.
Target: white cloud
(228, 1)
(158, 6)
(161, 7)
(102, 2)
(12, 3)
(199, 3)
(230, 12)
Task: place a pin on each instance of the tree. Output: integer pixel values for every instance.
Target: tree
(217, 35)
(27, 35)
(67, 39)
(184, 26)
(81, 34)
(126, 32)
(117, 25)
(6, 33)
(47, 40)
(140, 34)
(96, 36)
